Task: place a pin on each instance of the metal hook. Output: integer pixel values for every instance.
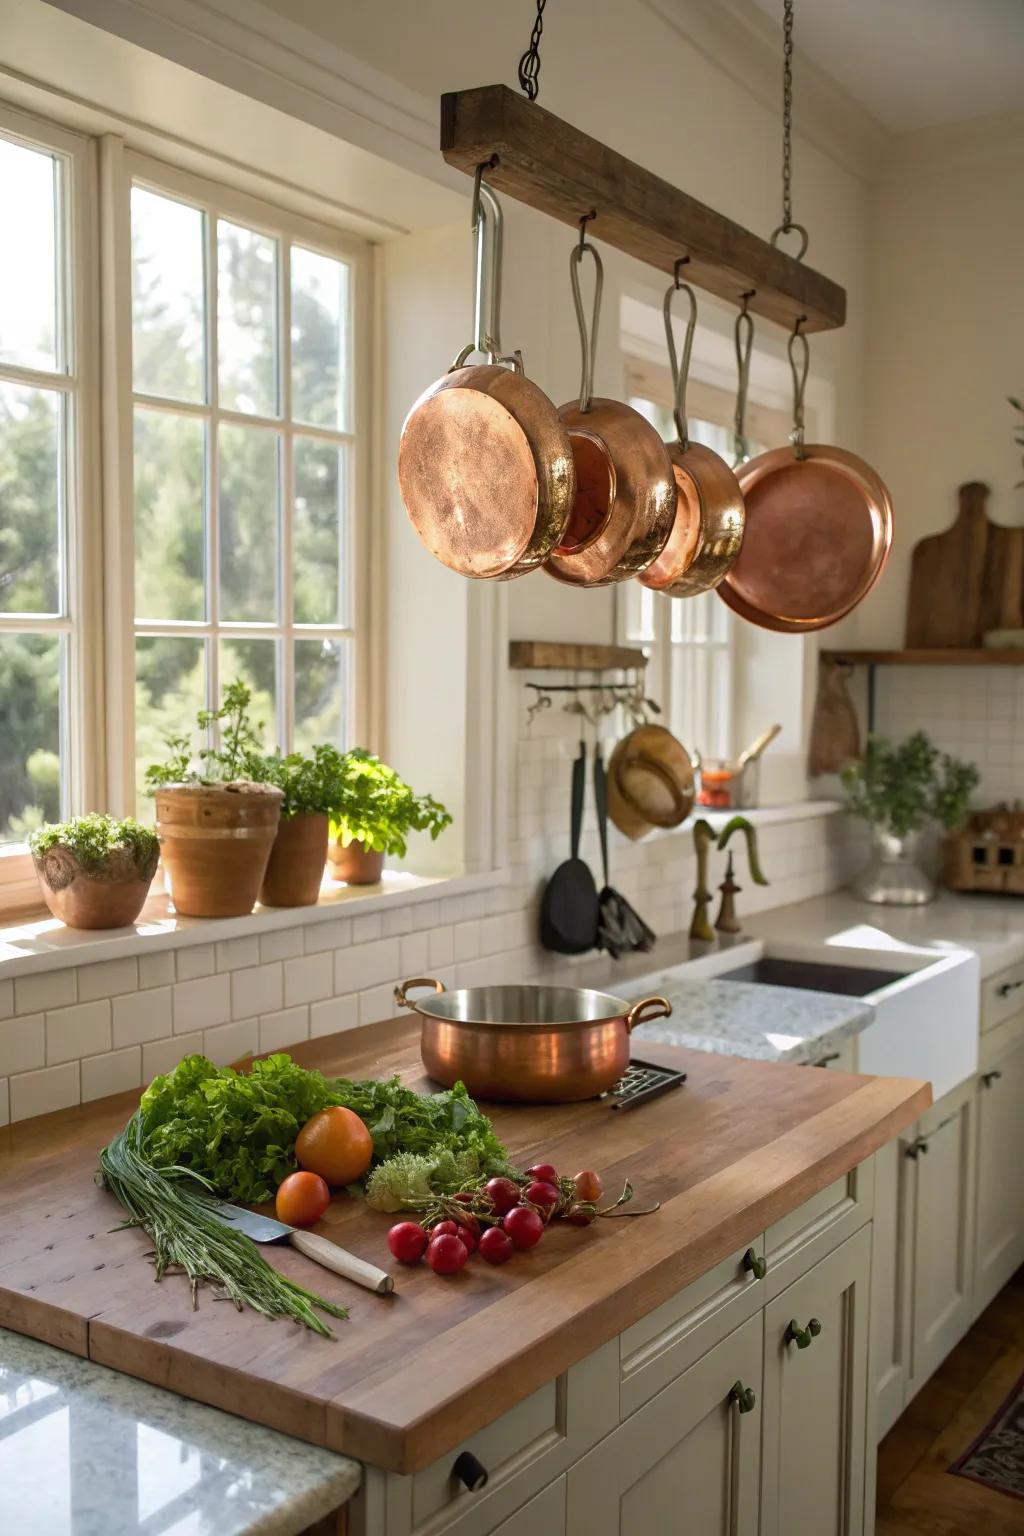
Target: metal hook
(680, 373)
(799, 372)
(584, 221)
(588, 342)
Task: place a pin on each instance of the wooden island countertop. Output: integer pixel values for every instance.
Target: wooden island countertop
(408, 1377)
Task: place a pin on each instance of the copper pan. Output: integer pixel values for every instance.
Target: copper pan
(708, 528)
(625, 501)
(485, 466)
(819, 529)
(534, 1045)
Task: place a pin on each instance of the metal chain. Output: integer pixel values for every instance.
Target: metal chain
(529, 64)
(787, 116)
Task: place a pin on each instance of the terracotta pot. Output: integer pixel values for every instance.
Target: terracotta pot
(215, 840)
(110, 897)
(355, 864)
(297, 860)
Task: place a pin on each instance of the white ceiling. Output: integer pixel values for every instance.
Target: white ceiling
(916, 63)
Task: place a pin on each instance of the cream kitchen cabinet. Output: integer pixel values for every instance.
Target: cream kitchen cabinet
(999, 1239)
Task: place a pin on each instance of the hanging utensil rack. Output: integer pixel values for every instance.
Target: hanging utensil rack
(542, 161)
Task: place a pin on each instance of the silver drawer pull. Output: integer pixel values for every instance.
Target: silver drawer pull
(472, 1473)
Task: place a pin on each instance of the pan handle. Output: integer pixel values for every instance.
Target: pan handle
(645, 1010)
(405, 987)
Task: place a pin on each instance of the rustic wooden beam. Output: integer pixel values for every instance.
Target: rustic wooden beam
(552, 166)
(566, 656)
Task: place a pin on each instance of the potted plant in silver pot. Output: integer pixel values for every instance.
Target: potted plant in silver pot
(899, 791)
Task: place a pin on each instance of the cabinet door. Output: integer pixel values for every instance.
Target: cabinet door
(999, 1244)
(943, 1227)
(814, 1454)
(891, 1251)
(686, 1464)
(543, 1516)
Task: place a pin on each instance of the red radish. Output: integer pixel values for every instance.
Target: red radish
(588, 1186)
(496, 1246)
(445, 1229)
(543, 1171)
(446, 1255)
(468, 1238)
(407, 1241)
(580, 1215)
(542, 1194)
(503, 1195)
(524, 1226)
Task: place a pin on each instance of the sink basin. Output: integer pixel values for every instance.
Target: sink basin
(813, 976)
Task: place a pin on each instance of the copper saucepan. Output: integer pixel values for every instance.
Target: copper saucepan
(526, 1044)
(819, 529)
(484, 465)
(708, 528)
(625, 502)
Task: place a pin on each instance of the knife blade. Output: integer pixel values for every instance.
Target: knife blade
(265, 1229)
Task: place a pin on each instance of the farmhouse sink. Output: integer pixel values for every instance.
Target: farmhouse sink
(813, 975)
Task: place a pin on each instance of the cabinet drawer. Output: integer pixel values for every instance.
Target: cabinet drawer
(1002, 996)
(668, 1340)
(810, 1232)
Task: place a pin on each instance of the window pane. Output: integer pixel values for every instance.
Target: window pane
(318, 535)
(170, 474)
(247, 319)
(321, 692)
(254, 662)
(28, 257)
(30, 490)
(30, 736)
(170, 686)
(168, 329)
(248, 525)
(319, 339)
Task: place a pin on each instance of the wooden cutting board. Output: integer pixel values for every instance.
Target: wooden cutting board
(967, 580)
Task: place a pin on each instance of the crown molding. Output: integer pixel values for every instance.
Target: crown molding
(997, 139)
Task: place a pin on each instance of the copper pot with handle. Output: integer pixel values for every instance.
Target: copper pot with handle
(526, 1044)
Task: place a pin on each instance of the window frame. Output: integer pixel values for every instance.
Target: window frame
(83, 743)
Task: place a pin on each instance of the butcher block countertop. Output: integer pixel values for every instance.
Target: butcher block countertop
(407, 1377)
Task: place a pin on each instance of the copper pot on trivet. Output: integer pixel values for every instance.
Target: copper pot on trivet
(525, 1044)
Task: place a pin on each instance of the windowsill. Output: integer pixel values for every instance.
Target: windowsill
(42, 943)
(758, 816)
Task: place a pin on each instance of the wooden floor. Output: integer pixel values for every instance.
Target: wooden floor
(917, 1496)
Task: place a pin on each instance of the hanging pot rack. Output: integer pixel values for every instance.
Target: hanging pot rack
(538, 159)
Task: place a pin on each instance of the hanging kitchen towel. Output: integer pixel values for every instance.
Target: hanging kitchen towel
(568, 913)
(620, 928)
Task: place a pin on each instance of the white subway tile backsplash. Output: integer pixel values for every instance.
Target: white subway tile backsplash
(6, 999)
(22, 1044)
(163, 1055)
(83, 1030)
(142, 1016)
(233, 953)
(377, 1003)
(40, 1093)
(202, 1003)
(279, 1030)
(335, 933)
(228, 1043)
(366, 965)
(427, 914)
(364, 929)
(440, 947)
(195, 960)
(467, 941)
(47, 989)
(308, 978)
(281, 944)
(413, 953)
(5, 1102)
(109, 978)
(114, 1072)
(333, 1015)
(156, 970)
(259, 990)
(397, 923)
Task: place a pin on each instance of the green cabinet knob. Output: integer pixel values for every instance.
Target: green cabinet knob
(742, 1396)
(754, 1264)
(802, 1337)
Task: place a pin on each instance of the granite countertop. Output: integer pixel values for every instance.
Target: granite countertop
(86, 1451)
(740, 1018)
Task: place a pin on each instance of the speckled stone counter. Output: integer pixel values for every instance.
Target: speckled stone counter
(85, 1451)
(737, 1018)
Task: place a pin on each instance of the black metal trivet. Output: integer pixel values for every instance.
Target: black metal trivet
(641, 1081)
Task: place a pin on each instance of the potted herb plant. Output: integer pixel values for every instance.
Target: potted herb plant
(310, 784)
(94, 871)
(898, 791)
(216, 825)
(375, 815)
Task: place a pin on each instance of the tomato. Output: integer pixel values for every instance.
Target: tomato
(301, 1199)
(543, 1171)
(524, 1227)
(588, 1186)
(503, 1195)
(542, 1194)
(446, 1255)
(407, 1241)
(335, 1144)
(496, 1246)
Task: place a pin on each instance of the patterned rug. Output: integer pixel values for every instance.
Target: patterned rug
(996, 1458)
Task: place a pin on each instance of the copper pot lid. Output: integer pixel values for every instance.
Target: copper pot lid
(625, 501)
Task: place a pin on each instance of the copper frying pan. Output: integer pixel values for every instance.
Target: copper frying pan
(625, 501)
(708, 528)
(819, 528)
(485, 466)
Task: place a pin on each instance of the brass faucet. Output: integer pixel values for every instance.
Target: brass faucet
(704, 838)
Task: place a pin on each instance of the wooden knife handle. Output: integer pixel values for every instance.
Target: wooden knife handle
(322, 1251)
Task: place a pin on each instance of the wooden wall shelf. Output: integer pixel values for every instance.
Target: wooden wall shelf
(558, 655)
(555, 168)
(928, 657)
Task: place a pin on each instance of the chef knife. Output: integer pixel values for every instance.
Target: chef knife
(264, 1229)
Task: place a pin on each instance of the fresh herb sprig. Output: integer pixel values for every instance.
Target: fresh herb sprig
(312, 783)
(902, 788)
(93, 838)
(241, 742)
(379, 809)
